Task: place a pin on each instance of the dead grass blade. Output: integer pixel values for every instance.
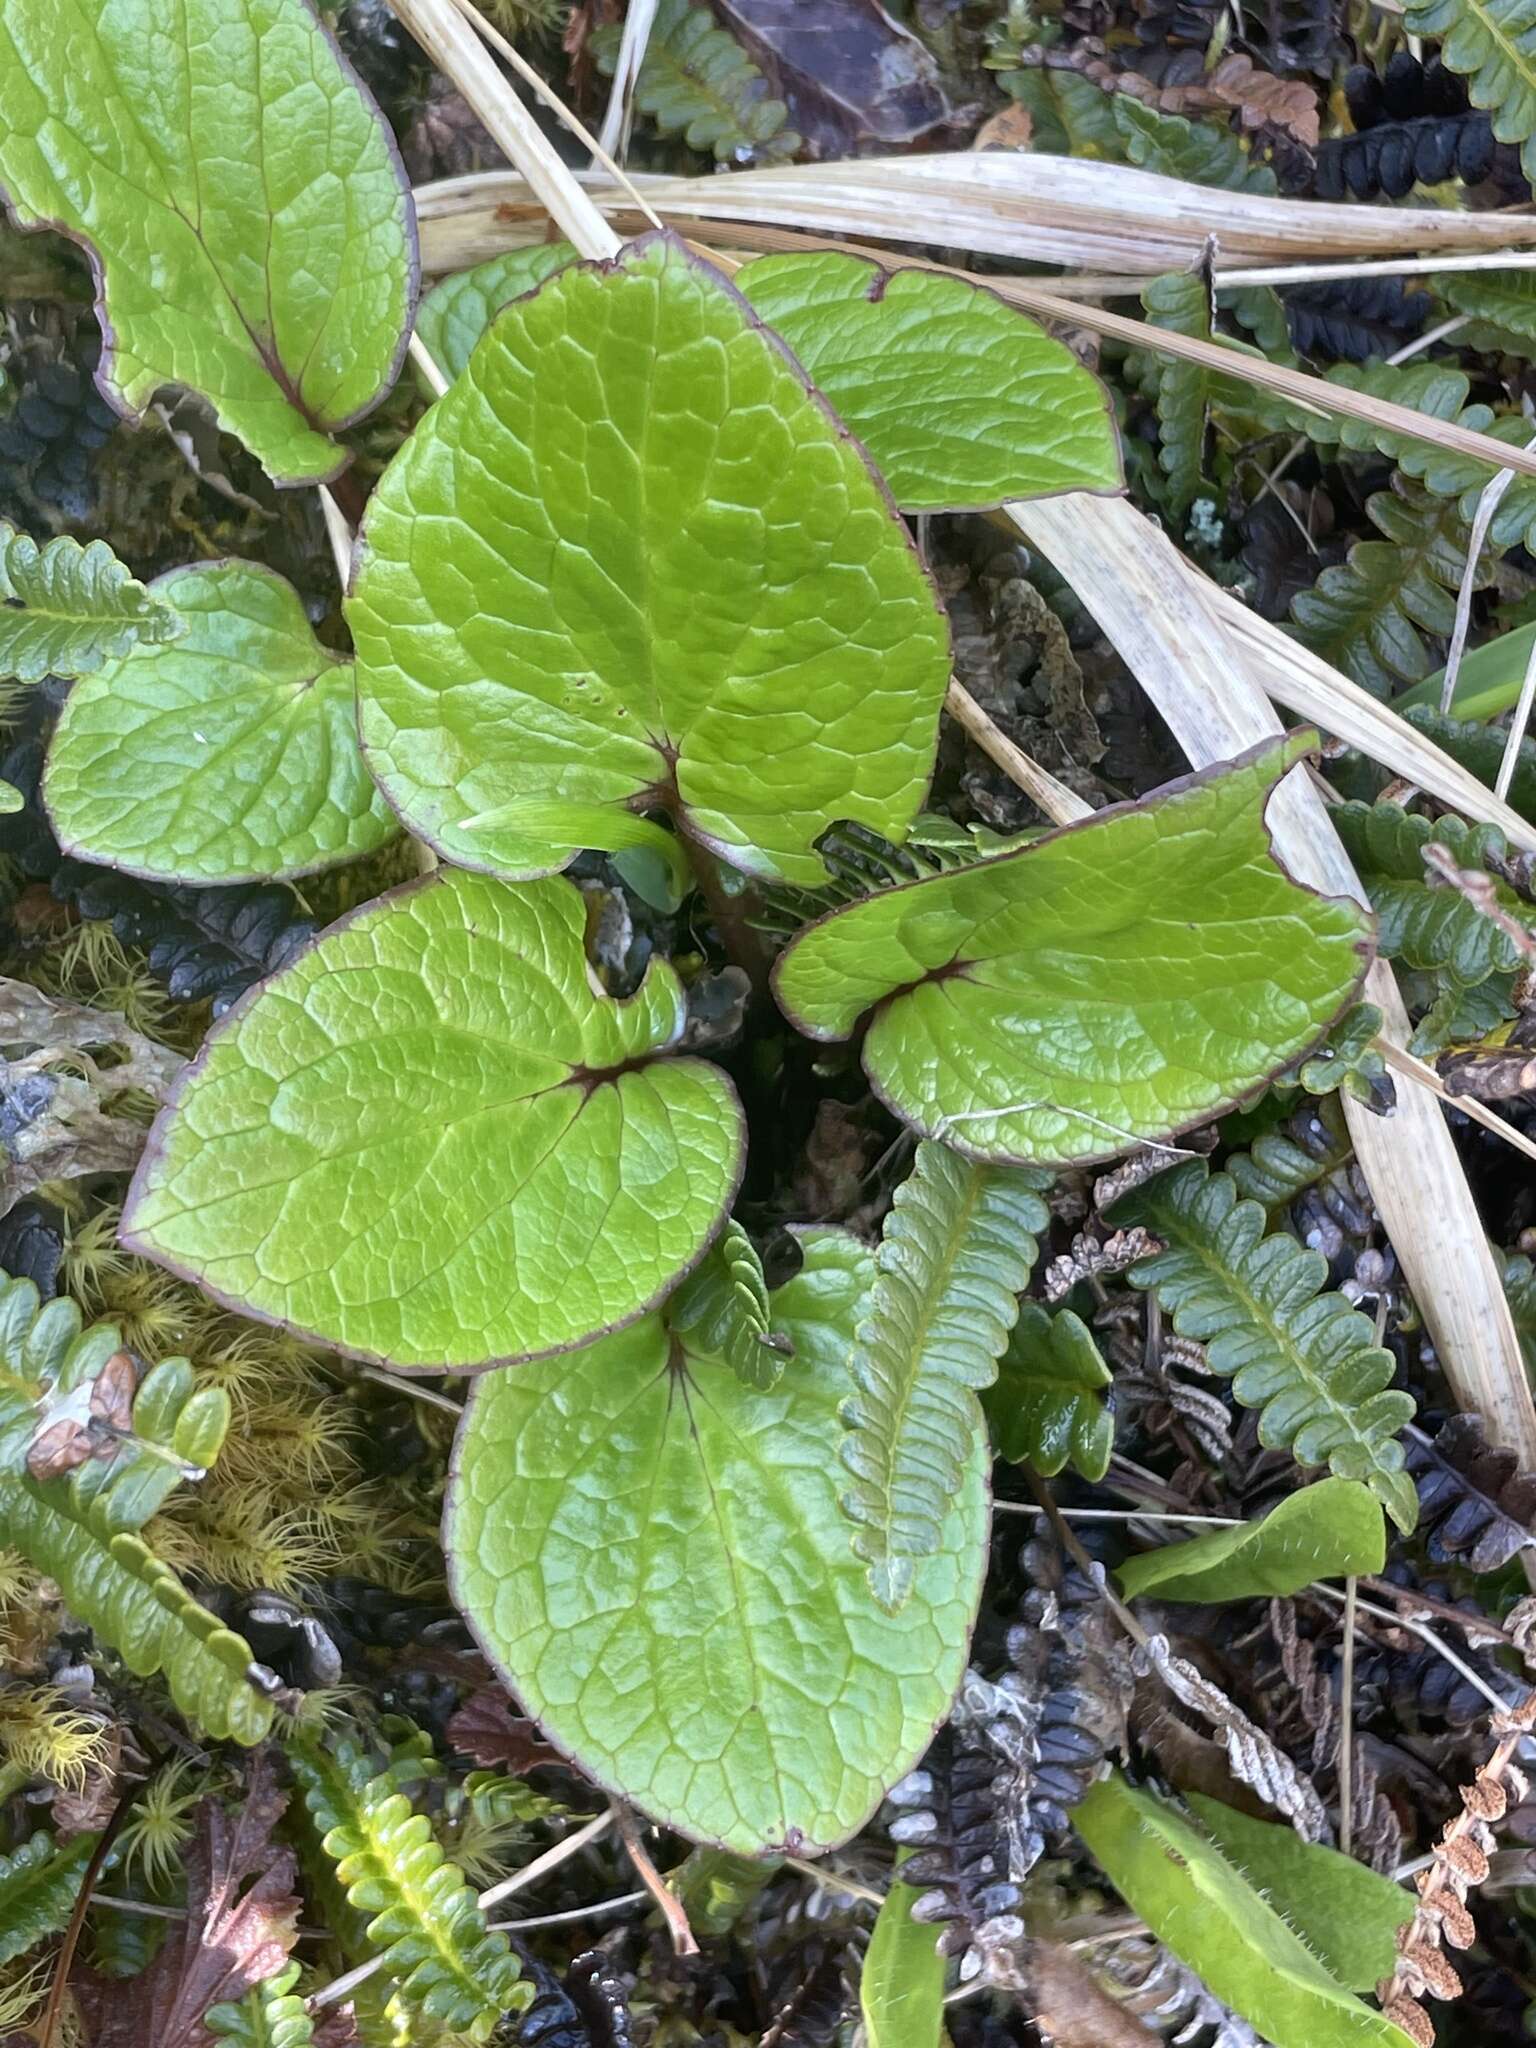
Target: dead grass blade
(1044, 209)
(1156, 613)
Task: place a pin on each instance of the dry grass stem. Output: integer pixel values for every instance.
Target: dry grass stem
(1060, 804)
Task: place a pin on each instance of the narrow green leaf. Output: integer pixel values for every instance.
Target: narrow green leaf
(1487, 682)
(242, 200)
(1346, 1913)
(229, 756)
(961, 400)
(654, 1557)
(454, 314)
(506, 1161)
(1111, 983)
(901, 1987)
(957, 1250)
(10, 798)
(1196, 1902)
(1048, 1408)
(1308, 1360)
(632, 560)
(1326, 1531)
(65, 609)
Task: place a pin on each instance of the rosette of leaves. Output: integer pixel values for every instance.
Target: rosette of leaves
(654, 1556)
(245, 210)
(1113, 982)
(507, 1161)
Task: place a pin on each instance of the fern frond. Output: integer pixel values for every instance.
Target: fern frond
(1305, 1359)
(1480, 749)
(723, 1307)
(79, 1528)
(1048, 1407)
(1492, 44)
(39, 1884)
(65, 609)
(1201, 151)
(423, 1918)
(698, 82)
(1500, 306)
(271, 2015)
(1181, 391)
(1366, 616)
(957, 1249)
(1276, 1168)
(1435, 929)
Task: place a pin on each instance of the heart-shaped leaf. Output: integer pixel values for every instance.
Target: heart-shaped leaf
(454, 314)
(1047, 1407)
(1114, 982)
(1346, 1913)
(429, 1139)
(961, 400)
(228, 756)
(653, 1555)
(1325, 1531)
(241, 199)
(632, 560)
(1203, 1907)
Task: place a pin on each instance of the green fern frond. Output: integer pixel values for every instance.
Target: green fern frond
(723, 1308)
(1048, 1408)
(1367, 615)
(271, 2015)
(1480, 750)
(39, 1884)
(1181, 391)
(1432, 928)
(1276, 1169)
(1201, 151)
(79, 1528)
(1305, 1359)
(717, 1888)
(698, 82)
(1492, 44)
(423, 1919)
(1500, 306)
(65, 609)
(958, 1247)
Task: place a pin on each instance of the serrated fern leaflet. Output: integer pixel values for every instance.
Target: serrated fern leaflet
(1306, 1360)
(958, 1247)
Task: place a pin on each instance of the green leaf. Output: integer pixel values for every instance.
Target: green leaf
(698, 82)
(423, 1917)
(1480, 747)
(1048, 1407)
(1194, 1900)
(1434, 928)
(1492, 44)
(632, 560)
(454, 314)
(1114, 982)
(654, 1557)
(240, 196)
(961, 400)
(11, 799)
(1307, 1360)
(1487, 682)
(957, 1250)
(39, 1883)
(901, 1987)
(1500, 306)
(229, 756)
(1346, 1913)
(271, 2015)
(1327, 1531)
(1202, 151)
(724, 1308)
(66, 608)
(505, 1162)
(1368, 615)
